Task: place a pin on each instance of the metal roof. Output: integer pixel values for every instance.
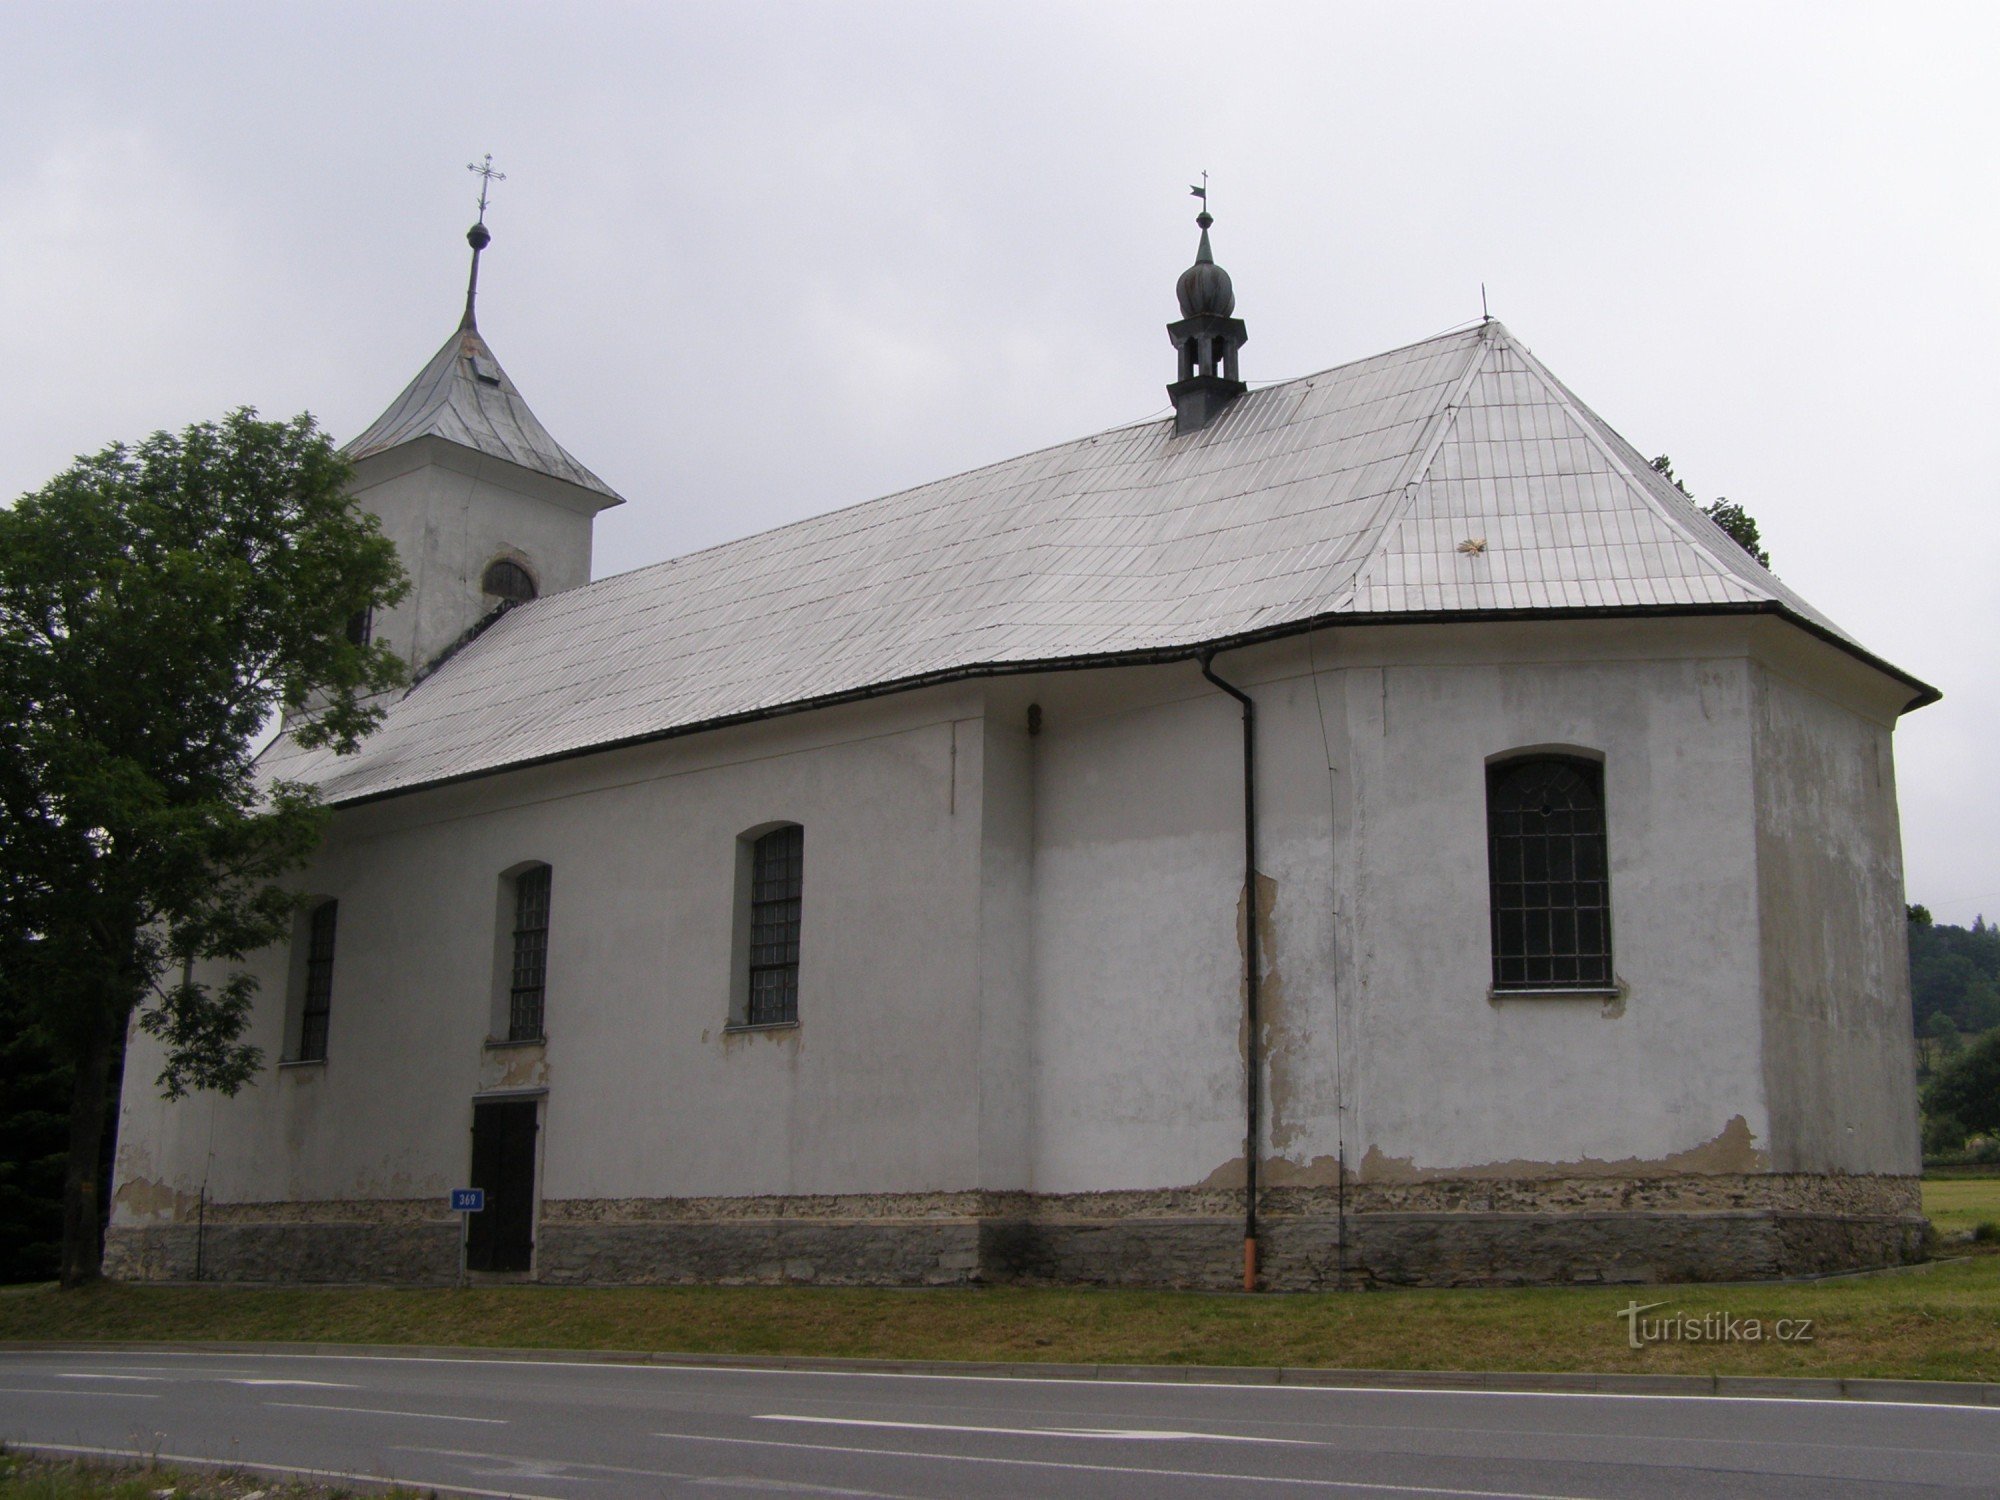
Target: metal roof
(464, 397)
(1346, 494)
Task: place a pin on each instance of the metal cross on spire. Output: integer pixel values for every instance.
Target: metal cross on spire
(487, 177)
(478, 236)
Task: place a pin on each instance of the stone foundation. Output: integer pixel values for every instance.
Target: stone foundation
(1446, 1233)
(321, 1252)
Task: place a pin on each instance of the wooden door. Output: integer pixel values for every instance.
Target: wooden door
(501, 1237)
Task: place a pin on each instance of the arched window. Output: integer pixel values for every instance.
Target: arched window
(317, 1002)
(777, 883)
(528, 974)
(1550, 878)
(507, 579)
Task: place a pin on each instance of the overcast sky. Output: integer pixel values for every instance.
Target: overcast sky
(754, 262)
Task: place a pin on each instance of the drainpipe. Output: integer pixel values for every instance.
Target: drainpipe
(1253, 1052)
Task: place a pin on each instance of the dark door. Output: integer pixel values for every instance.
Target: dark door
(501, 1237)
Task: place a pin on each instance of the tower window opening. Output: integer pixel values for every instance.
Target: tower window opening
(507, 579)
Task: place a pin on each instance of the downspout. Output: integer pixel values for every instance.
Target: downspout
(1253, 1050)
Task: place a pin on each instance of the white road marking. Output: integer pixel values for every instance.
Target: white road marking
(1208, 1475)
(1141, 1433)
(331, 1385)
(43, 1390)
(151, 1379)
(378, 1411)
(1855, 1403)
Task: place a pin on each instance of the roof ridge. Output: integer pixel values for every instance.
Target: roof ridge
(1402, 493)
(1582, 416)
(1013, 458)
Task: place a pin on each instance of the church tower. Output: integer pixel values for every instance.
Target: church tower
(1206, 336)
(483, 505)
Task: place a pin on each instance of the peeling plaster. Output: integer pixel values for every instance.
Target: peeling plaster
(144, 1198)
(513, 1068)
(1321, 1171)
(1732, 1151)
(1229, 1175)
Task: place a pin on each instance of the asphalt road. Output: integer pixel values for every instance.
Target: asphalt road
(597, 1431)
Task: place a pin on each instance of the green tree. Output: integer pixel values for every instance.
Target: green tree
(1726, 513)
(1954, 971)
(1966, 1089)
(1938, 1041)
(34, 1115)
(158, 605)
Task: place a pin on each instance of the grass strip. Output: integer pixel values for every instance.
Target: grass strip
(1937, 1324)
(26, 1477)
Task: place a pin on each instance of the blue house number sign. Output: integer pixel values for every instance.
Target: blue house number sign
(468, 1200)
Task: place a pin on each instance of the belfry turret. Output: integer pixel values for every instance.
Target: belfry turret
(1206, 336)
(484, 506)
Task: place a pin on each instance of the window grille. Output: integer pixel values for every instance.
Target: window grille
(507, 579)
(319, 982)
(531, 954)
(777, 873)
(1550, 876)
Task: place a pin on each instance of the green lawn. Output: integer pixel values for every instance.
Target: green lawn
(1957, 1204)
(1942, 1323)
(24, 1478)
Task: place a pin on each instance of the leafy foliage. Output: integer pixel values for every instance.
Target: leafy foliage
(158, 605)
(1726, 513)
(1966, 1090)
(1955, 1005)
(1954, 978)
(34, 1134)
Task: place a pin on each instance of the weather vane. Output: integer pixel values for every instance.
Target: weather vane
(487, 177)
(1199, 192)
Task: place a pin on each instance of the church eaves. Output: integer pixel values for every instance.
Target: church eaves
(1452, 479)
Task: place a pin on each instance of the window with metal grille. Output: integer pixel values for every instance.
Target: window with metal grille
(777, 874)
(531, 954)
(319, 982)
(1550, 877)
(507, 579)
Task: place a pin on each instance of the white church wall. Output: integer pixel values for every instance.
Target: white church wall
(1138, 868)
(1839, 1047)
(1138, 865)
(1003, 758)
(1446, 1079)
(1021, 991)
(648, 1093)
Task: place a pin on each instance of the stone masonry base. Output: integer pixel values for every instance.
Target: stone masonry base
(1437, 1234)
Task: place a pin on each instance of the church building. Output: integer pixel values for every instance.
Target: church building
(1368, 829)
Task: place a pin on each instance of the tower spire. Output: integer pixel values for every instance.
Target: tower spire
(478, 236)
(1206, 336)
